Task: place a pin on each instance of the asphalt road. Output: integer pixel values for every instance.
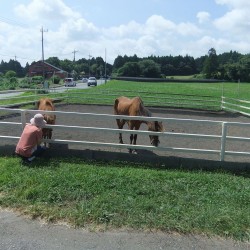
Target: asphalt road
(80, 85)
(21, 233)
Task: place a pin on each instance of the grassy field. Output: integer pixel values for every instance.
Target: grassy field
(124, 195)
(101, 195)
(184, 95)
(206, 96)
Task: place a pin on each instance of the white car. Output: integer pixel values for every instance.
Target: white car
(84, 79)
(69, 82)
(92, 81)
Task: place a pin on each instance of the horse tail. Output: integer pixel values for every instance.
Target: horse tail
(116, 106)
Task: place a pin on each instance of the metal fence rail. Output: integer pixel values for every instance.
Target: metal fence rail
(221, 152)
(236, 105)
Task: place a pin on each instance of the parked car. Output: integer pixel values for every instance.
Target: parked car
(69, 82)
(92, 81)
(84, 79)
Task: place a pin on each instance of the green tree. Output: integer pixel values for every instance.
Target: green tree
(211, 64)
(130, 69)
(10, 74)
(54, 61)
(149, 68)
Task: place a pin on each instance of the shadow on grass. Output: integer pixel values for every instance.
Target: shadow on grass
(143, 159)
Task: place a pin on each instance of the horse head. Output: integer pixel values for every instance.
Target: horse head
(156, 127)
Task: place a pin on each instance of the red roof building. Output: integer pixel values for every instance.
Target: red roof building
(41, 68)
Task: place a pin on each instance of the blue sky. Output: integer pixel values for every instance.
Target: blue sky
(119, 27)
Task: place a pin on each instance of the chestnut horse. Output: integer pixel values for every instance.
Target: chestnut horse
(46, 104)
(135, 107)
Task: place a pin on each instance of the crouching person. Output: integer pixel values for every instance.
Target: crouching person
(28, 146)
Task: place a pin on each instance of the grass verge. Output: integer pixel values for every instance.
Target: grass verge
(124, 195)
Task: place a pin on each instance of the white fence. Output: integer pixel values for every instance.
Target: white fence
(220, 152)
(236, 105)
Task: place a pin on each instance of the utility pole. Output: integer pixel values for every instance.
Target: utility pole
(105, 68)
(74, 52)
(42, 30)
(89, 64)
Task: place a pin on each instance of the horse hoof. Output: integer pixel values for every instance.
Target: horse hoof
(132, 151)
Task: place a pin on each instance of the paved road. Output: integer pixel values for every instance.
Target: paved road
(80, 85)
(17, 232)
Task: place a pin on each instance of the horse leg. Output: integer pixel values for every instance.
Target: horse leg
(49, 136)
(131, 142)
(120, 124)
(133, 137)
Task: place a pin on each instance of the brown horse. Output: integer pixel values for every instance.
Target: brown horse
(46, 104)
(135, 107)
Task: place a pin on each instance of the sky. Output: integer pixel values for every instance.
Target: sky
(93, 28)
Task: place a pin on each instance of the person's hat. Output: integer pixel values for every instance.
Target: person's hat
(38, 120)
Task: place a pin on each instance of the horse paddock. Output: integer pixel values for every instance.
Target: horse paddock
(166, 141)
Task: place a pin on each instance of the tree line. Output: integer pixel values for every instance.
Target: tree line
(229, 66)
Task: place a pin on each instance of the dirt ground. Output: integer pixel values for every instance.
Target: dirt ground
(166, 141)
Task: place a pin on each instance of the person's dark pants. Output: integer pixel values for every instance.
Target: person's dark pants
(36, 153)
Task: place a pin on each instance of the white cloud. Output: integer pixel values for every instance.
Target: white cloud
(203, 16)
(132, 29)
(234, 3)
(45, 10)
(237, 19)
(188, 29)
(69, 30)
(157, 23)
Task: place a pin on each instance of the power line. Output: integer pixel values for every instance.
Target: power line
(13, 21)
(12, 56)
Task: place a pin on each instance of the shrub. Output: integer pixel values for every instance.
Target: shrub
(37, 79)
(55, 79)
(10, 74)
(25, 83)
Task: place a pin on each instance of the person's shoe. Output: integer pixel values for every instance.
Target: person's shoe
(31, 158)
(26, 162)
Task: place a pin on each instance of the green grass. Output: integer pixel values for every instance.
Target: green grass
(124, 195)
(167, 94)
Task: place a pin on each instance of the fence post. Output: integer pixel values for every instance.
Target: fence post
(223, 141)
(23, 119)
